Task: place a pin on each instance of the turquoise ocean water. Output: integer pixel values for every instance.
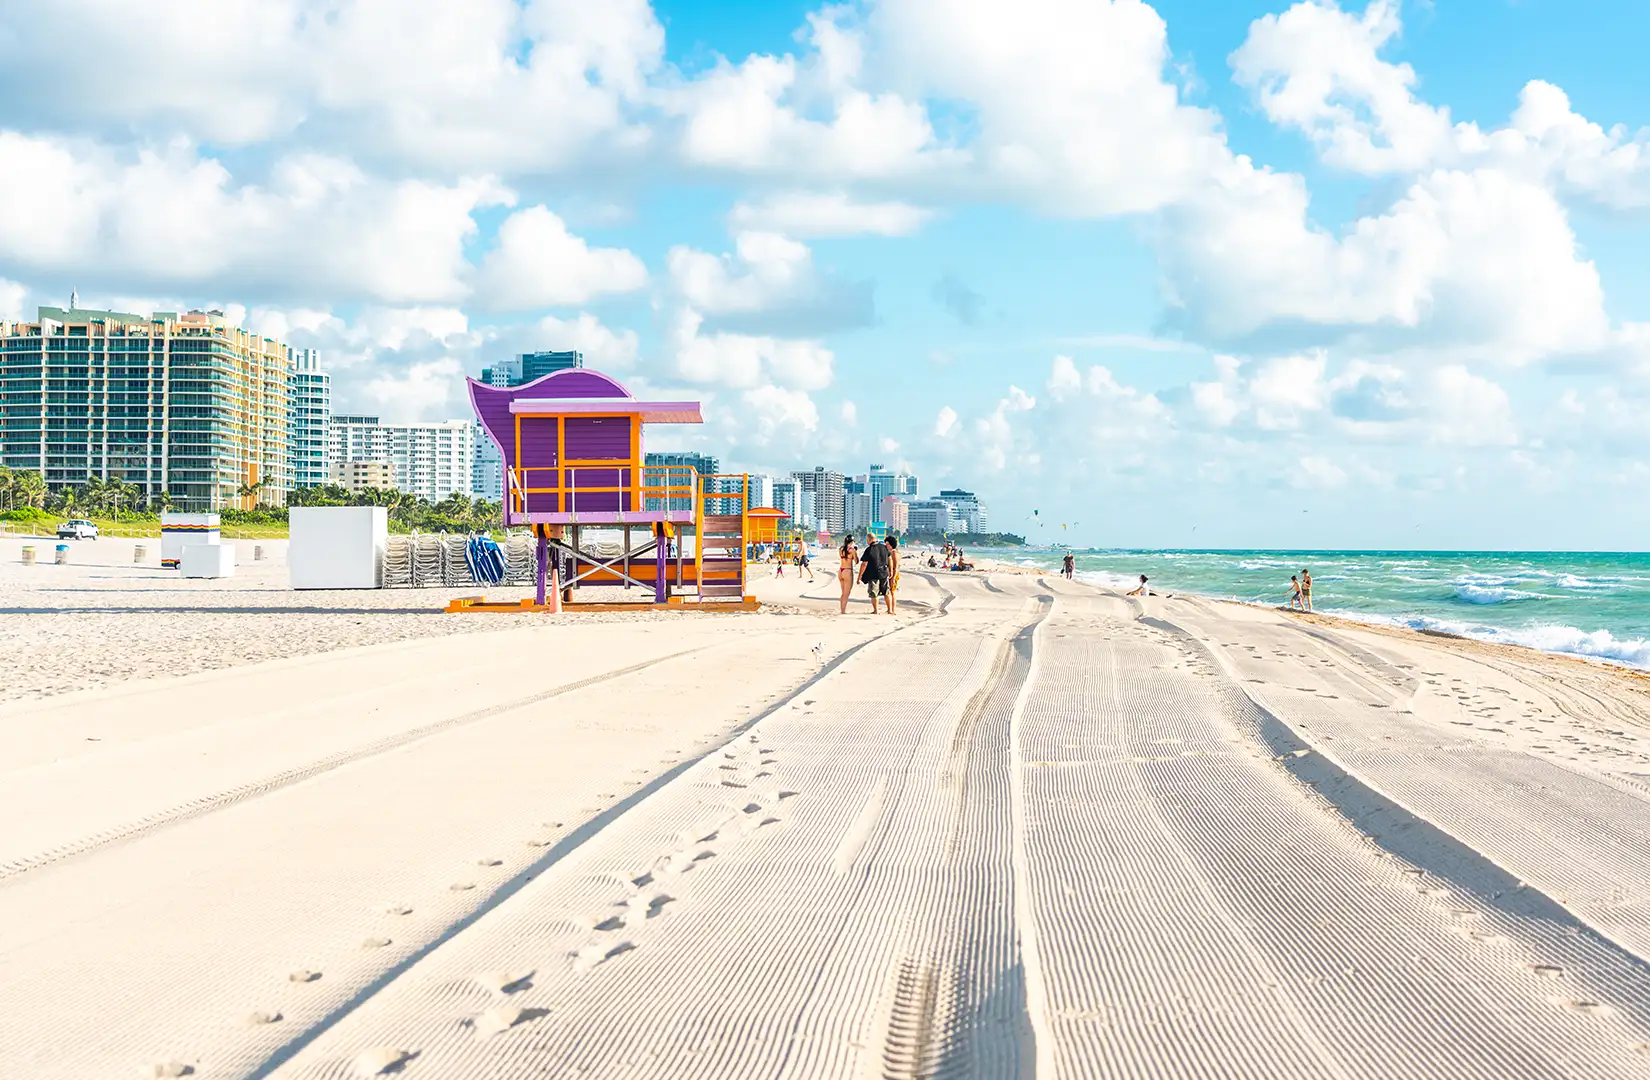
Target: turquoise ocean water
(1593, 604)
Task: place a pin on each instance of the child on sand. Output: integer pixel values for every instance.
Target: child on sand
(1295, 593)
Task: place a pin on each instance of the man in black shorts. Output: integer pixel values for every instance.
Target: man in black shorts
(874, 572)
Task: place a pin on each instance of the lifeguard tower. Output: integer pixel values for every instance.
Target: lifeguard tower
(571, 444)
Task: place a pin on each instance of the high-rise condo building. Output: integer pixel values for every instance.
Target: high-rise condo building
(966, 507)
(703, 463)
(536, 365)
(896, 514)
(858, 512)
(309, 417)
(525, 367)
(187, 407)
(430, 460)
(487, 468)
(826, 487)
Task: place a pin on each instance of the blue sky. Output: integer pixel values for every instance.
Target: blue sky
(1179, 274)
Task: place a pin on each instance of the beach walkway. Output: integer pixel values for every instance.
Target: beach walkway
(1043, 831)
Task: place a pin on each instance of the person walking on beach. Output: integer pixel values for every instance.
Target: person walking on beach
(1306, 590)
(845, 573)
(1295, 592)
(1068, 566)
(875, 572)
(803, 562)
(893, 571)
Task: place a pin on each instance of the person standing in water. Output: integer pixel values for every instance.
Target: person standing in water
(1306, 590)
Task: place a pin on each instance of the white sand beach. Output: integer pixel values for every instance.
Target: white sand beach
(1024, 828)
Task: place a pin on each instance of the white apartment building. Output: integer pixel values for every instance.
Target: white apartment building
(761, 490)
(934, 516)
(966, 506)
(487, 473)
(858, 511)
(431, 460)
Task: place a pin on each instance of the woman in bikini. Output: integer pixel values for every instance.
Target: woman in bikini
(893, 571)
(845, 571)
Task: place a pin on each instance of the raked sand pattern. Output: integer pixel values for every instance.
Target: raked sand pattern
(1028, 828)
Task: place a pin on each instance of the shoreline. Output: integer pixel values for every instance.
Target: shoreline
(1638, 678)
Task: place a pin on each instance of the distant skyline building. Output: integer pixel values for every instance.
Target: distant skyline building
(487, 467)
(430, 460)
(189, 407)
(525, 367)
(309, 417)
(858, 512)
(705, 464)
(932, 516)
(827, 489)
(784, 494)
(895, 514)
(536, 365)
(358, 476)
(761, 490)
(967, 507)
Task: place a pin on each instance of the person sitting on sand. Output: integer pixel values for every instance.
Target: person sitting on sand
(1140, 589)
(1306, 590)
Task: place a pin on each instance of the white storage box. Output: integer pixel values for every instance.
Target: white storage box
(207, 561)
(337, 547)
(178, 531)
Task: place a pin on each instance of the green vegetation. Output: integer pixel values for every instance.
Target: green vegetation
(968, 539)
(119, 508)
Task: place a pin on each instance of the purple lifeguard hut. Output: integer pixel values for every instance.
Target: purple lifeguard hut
(571, 444)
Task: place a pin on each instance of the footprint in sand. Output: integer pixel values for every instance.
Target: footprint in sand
(171, 1068)
(398, 909)
(504, 983)
(259, 1017)
(303, 975)
(374, 942)
(1546, 970)
(1581, 1006)
(502, 1018)
(597, 953)
(382, 1060)
(461, 886)
(489, 862)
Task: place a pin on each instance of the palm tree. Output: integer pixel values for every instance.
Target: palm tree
(29, 488)
(7, 488)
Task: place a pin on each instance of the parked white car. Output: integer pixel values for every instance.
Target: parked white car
(78, 529)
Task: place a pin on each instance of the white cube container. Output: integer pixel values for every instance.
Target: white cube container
(178, 531)
(337, 547)
(207, 561)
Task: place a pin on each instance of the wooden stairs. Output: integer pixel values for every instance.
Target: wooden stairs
(722, 538)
